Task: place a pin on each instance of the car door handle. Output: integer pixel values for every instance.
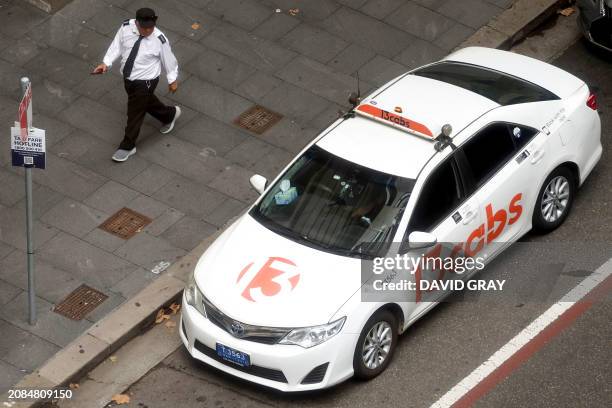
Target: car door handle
(537, 156)
(468, 214)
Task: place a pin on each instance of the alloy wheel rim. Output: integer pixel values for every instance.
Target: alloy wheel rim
(555, 199)
(376, 345)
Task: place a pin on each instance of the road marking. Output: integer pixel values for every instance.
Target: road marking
(529, 340)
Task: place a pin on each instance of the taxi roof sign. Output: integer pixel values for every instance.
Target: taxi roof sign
(395, 120)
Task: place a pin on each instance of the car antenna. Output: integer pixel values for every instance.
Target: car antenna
(354, 99)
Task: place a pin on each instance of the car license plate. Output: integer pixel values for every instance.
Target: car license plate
(233, 356)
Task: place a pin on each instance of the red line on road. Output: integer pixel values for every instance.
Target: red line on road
(535, 344)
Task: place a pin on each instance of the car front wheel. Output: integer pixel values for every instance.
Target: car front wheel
(376, 345)
(554, 200)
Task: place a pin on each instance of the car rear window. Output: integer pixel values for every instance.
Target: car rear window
(497, 86)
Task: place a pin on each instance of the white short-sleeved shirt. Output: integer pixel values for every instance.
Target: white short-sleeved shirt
(154, 52)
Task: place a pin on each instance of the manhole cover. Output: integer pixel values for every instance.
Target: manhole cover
(258, 119)
(125, 223)
(80, 302)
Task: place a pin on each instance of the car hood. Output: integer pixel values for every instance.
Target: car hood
(258, 277)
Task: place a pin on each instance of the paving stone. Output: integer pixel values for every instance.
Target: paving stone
(502, 3)
(270, 165)
(178, 17)
(419, 53)
(381, 70)
(134, 283)
(463, 11)
(71, 179)
(255, 51)
(52, 284)
(18, 19)
(148, 206)
(50, 326)
(43, 199)
(185, 158)
(431, 4)
(13, 229)
(74, 217)
(277, 25)
(108, 20)
(257, 86)
(96, 86)
(355, 4)
(224, 212)
(295, 102)
(208, 133)
(104, 240)
(86, 262)
(186, 50)
(4, 248)
(55, 130)
(318, 79)
(248, 153)
(148, 251)
(21, 51)
(50, 98)
(9, 81)
(313, 42)
(308, 9)
(351, 59)
(330, 115)
(233, 181)
(246, 14)
(165, 220)
(420, 21)
(71, 37)
(189, 197)
(12, 188)
(151, 179)
(381, 8)
(10, 376)
(211, 100)
(81, 10)
(7, 292)
(25, 351)
(188, 233)
(219, 69)
(111, 197)
(289, 135)
(94, 154)
(366, 31)
(60, 67)
(454, 36)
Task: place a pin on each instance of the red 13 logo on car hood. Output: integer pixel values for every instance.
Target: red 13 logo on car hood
(276, 276)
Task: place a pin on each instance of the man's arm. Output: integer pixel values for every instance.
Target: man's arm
(113, 52)
(169, 63)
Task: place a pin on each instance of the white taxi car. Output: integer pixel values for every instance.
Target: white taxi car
(478, 148)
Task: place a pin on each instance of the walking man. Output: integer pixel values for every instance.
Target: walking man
(143, 49)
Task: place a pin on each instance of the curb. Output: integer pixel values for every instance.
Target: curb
(514, 24)
(103, 338)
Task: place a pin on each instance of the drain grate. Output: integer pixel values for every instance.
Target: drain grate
(258, 119)
(125, 223)
(80, 302)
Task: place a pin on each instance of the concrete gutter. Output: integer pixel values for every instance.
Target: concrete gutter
(107, 336)
(514, 24)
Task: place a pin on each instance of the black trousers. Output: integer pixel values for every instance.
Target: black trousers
(142, 100)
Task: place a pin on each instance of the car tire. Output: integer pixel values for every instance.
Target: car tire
(379, 336)
(554, 200)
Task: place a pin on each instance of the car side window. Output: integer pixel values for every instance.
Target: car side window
(440, 195)
(521, 135)
(488, 151)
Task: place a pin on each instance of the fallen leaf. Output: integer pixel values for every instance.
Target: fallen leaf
(113, 359)
(567, 11)
(161, 316)
(170, 324)
(294, 11)
(121, 399)
(74, 386)
(175, 307)
(195, 26)
(278, 10)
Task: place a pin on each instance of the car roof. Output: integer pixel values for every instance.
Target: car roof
(378, 143)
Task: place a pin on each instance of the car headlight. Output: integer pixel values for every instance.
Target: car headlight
(194, 297)
(311, 336)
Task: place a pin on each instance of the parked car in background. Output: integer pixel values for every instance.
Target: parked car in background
(596, 22)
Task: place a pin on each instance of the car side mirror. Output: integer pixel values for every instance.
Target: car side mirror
(418, 240)
(259, 183)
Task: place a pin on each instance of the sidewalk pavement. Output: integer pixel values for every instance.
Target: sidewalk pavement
(300, 61)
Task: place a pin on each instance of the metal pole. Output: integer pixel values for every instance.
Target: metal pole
(28, 188)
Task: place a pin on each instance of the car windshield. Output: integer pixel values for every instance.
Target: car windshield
(335, 205)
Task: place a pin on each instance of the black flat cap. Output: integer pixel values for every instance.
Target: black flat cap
(146, 17)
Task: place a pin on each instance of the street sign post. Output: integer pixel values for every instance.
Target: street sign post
(28, 150)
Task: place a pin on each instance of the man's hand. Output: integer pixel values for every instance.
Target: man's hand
(173, 87)
(100, 69)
